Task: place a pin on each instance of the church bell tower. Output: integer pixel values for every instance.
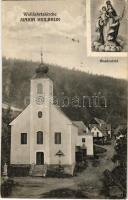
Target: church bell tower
(41, 98)
(41, 86)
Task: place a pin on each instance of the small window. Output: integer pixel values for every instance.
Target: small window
(97, 134)
(51, 90)
(83, 139)
(39, 88)
(40, 114)
(23, 138)
(57, 138)
(39, 137)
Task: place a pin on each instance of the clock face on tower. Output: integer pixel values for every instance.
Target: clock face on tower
(39, 100)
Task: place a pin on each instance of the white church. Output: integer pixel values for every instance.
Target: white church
(42, 135)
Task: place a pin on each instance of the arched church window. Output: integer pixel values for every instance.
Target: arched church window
(39, 137)
(23, 138)
(57, 138)
(39, 88)
(40, 114)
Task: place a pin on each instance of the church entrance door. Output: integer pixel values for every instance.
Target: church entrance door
(39, 158)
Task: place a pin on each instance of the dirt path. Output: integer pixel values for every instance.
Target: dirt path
(90, 180)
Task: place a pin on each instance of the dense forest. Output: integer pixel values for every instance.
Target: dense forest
(16, 88)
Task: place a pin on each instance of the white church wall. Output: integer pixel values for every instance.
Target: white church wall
(60, 123)
(40, 124)
(47, 89)
(53, 120)
(20, 152)
(74, 133)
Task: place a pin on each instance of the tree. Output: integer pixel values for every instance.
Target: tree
(121, 148)
(6, 136)
(120, 158)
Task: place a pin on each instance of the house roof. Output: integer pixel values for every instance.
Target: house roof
(99, 121)
(103, 129)
(101, 125)
(80, 124)
(82, 128)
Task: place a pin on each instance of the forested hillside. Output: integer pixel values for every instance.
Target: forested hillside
(16, 87)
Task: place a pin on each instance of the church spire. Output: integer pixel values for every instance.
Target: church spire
(42, 69)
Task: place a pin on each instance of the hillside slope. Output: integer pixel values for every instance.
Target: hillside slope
(16, 89)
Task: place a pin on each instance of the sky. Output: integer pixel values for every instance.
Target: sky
(63, 43)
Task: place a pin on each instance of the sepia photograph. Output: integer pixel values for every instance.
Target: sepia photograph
(64, 113)
(108, 26)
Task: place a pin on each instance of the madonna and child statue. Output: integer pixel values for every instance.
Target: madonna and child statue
(107, 30)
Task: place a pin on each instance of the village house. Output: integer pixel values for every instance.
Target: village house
(42, 135)
(100, 130)
(84, 141)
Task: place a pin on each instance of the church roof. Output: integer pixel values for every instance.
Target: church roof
(21, 116)
(59, 109)
(41, 71)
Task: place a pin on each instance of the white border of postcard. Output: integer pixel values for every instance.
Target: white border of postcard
(88, 38)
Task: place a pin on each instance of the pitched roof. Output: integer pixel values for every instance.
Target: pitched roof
(99, 121)
(26, 110)
(80, 124)
(103, 129)
(82, 128)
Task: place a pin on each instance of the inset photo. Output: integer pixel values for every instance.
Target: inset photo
(107, 27)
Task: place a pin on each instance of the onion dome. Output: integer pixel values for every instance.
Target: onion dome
(41, 70)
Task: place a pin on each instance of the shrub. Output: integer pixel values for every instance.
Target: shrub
(18, 171)
(6, 187)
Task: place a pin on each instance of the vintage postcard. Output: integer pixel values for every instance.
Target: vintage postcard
(107, 27)
(64, 99)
